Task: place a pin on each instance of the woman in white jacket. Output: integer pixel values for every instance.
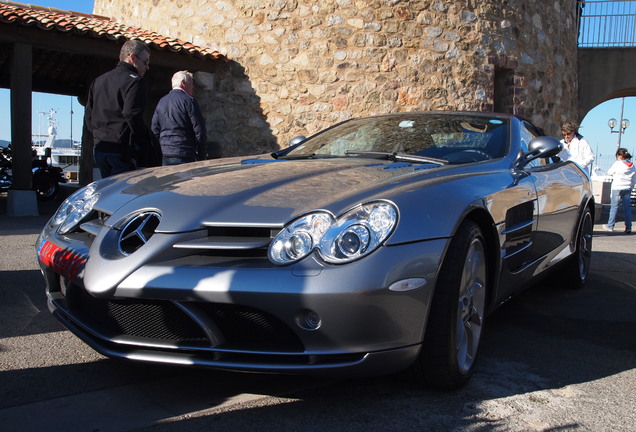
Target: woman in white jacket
(575, 147)
(623, 179)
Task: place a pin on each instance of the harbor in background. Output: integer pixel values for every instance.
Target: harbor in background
(65, 153)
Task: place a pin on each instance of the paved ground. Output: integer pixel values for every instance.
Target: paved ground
(552, 359)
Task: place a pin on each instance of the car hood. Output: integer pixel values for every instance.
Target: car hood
(243, 192)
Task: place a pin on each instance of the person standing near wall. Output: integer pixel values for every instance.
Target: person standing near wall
(178, 123)
(114, 112)
(623, 180)
(575, 147)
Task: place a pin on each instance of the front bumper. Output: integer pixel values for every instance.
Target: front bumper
(249, 315)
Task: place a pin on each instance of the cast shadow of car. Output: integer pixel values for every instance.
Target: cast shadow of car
(566, 336)
(23, 309)
(540, 344)
(547, 338)
(544, 341)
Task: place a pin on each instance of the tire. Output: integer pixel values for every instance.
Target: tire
(577, 267)
(45, 187)
(456, 317)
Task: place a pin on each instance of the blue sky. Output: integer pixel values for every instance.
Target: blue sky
(44, 102)
(593, 127)
(85, 6)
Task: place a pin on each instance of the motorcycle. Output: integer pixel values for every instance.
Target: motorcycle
(46, 178)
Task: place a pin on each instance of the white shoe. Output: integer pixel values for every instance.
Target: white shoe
(606, 228)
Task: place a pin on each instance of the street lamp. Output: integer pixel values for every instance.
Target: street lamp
(623, 124)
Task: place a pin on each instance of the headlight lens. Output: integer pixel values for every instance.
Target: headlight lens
(358, 232)
(352, 242)
(298, 239)
(355, 234)
(74, 209)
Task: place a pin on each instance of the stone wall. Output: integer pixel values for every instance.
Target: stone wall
(299, 65)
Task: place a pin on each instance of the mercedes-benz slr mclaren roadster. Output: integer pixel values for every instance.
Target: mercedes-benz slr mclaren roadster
(375, 246)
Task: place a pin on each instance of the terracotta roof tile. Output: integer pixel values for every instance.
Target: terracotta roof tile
(90, 25)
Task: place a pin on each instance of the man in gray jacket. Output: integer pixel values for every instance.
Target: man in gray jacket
(178, 124)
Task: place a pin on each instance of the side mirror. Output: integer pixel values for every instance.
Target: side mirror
(47, 152)
(292, 144)
(540, 147)
(297, 140)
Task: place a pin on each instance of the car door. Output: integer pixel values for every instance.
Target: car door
(559, 196)
(559, 190)
(516, 216)
(542, 219)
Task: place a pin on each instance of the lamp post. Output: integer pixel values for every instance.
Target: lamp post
(623, 124)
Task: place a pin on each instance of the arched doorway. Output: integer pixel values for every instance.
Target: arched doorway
(603, 140)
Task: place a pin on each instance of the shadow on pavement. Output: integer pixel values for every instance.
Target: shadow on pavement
(547, 338)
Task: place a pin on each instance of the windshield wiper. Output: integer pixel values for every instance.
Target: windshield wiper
(298, 156)
(307, 156)
(397, 157)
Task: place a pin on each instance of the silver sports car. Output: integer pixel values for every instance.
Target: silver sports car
(375, 246)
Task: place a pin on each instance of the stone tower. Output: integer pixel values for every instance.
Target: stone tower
(300, 65)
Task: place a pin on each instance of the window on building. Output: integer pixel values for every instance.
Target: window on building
(504, 91)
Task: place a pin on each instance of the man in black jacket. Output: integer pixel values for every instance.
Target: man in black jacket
(178, 124)
(114, 112)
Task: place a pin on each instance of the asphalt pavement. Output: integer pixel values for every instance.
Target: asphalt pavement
(552, 359)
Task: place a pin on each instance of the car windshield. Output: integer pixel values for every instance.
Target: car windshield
(432, 138)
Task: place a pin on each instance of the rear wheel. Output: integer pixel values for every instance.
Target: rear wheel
(45, 187)
(578, 266)
(456, 318)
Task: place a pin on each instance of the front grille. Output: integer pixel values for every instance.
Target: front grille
(231, 242)
(161, 321)
(242, 231)
(242, 328)
(250, 329)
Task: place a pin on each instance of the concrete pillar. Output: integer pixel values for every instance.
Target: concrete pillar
(22, 199)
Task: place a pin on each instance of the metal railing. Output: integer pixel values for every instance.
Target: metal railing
(607, 23)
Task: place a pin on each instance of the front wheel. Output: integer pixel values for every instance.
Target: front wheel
(456, 317)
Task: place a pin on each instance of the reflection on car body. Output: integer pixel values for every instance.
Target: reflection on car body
(377, 245)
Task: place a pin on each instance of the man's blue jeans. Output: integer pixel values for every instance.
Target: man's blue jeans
(167, 160)
(620, 197)
(111, 163)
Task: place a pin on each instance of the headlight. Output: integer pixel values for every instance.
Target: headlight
(358, 232)
(355, 234)
(298, 239)
(74, 209)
